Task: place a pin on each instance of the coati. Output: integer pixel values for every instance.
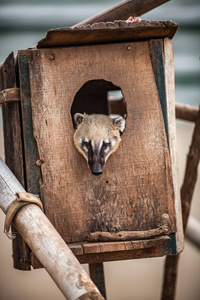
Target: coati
(96, 137)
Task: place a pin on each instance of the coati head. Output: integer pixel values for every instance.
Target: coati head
(96, 137)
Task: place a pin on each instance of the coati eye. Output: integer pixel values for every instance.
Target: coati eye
(105, 145)
(86, 146)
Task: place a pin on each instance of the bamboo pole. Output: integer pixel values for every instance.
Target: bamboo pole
(187, 190)
(46, 243)
(123, 10)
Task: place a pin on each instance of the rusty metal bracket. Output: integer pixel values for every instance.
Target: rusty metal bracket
(21, 200)
(10, 95)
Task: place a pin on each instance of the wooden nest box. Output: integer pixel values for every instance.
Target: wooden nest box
(133, 209)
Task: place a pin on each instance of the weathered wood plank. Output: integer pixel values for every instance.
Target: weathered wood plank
(14, 151)
(186, 112)
(121, 255)
(133, 187)
(102, 247)
(33, 175)
(31, 157)
(171, 123)
(119, 31)
(124, 10)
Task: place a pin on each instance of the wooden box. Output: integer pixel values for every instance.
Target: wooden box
(72, 70)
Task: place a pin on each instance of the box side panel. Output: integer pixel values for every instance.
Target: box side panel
(14, 151)
(136, 186)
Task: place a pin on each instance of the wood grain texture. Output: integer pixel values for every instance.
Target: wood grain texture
(108, 32)
(124, 10)
(186, 112)
(14, 151)
(171, 121)
(110, 247)
(136, 186)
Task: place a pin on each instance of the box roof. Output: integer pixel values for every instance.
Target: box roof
(108, 32)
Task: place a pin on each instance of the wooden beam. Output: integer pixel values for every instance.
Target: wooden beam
(10, 95)
(123, 10)
(97, 276)
(46, 243)
(191, 172)
(186, 112)
(14, 156)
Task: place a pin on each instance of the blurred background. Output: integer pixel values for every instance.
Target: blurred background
(22, 24)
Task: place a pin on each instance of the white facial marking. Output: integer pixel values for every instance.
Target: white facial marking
(107, 149)
(113, 143)
(80, 140)
(85, 148)
(86, 140)
(106, 141)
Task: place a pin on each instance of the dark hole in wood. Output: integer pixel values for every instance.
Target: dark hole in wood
(99, 97)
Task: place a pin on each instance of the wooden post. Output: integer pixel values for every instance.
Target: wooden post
(13, 145)
(186, 112)
(171, 264)
(97, 276)
(46, 243)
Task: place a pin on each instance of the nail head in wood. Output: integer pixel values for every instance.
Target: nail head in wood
(39, 162)
(51, 56)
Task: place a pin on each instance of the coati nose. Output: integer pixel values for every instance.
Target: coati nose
(96, 169)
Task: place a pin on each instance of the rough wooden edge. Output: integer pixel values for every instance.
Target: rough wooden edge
(102, 247)
(170, 96)
(118, 24)
(121, 255)
(56, 37)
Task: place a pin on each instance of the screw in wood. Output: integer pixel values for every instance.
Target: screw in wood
(51, 56)
(39, 162)
(128, 48)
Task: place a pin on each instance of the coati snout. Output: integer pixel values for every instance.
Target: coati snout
(96, 137)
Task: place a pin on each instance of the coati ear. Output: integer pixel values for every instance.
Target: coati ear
(78, 118)
(119, 123)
